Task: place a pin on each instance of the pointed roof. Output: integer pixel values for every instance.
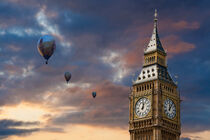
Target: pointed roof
(154, 43)
(154, 71)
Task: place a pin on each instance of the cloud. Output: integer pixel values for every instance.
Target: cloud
(98, 111)
(14, 48)
(174, 45)
(204, 135)
(114, 60)
(12, 123)
(19, 31)
(101, 50)
(53, 129)
(48, 28)
(185, 138)
(7, 128)
(180, 25)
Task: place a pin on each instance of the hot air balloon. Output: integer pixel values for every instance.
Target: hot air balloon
(46, 46)
(94, 94)
(67, 76)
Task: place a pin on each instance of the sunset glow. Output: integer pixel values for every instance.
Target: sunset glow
(101, 44)
(23, 112)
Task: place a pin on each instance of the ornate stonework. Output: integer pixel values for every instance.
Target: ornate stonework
(154, 101)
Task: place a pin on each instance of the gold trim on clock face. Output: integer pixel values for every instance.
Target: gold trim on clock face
(142, 107)
(169, 108)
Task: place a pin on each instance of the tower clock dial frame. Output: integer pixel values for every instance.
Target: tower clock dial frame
(142, 107)
(169, 108)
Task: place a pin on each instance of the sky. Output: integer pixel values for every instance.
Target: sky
(101, 42)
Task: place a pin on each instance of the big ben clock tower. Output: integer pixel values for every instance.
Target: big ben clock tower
(154, 101)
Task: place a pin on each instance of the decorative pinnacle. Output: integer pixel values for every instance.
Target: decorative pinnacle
(155, 15)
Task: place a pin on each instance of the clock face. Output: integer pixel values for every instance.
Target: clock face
(142, 107)
(169, 108)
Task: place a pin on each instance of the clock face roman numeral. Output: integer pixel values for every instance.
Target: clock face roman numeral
(169, 108)
(142, 107)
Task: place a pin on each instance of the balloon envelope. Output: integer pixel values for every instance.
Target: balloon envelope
(94, 94)
(46, 46)
(67, 76)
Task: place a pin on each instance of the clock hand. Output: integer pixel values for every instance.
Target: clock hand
(170, 107)
(142, 107)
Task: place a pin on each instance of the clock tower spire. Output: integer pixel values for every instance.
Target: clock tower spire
(154, 101)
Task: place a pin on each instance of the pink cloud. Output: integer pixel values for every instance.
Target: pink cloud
(12, 69)
(133, 58)
(14, 48)
(185, 25)
(174, 45)
(167, 25)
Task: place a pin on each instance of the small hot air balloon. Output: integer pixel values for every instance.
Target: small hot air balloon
(46, 46)
(94, 94)
(67, 76)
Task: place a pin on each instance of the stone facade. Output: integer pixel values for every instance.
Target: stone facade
(154, 107)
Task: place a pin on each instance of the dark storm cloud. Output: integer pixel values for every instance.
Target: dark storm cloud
(7, 128)
(10, 128)
(185, 139)
(94, 28)
(11, 123)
